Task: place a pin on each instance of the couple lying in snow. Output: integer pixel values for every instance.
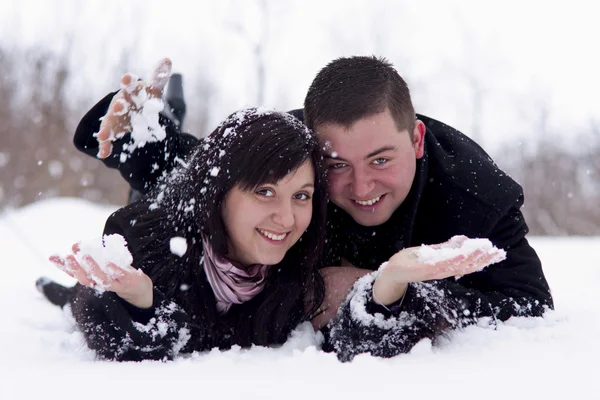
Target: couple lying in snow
(276, 218)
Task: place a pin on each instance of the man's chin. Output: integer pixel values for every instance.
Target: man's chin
(374, 219)
(370, 221)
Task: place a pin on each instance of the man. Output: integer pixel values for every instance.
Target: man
(396, 180)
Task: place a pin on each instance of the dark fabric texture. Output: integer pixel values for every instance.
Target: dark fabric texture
(117, 330)
(147, 163)
(457, 190)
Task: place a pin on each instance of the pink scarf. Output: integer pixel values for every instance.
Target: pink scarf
(230, 284)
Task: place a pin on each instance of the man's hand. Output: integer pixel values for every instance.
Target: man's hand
(408, 266)
(131, 98)
(131, 284)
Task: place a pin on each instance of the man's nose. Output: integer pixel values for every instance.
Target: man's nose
(362, 184)
(284, 216)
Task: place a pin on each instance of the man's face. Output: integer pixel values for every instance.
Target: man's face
(370, 165)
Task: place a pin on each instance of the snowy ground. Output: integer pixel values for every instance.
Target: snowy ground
(41, 356)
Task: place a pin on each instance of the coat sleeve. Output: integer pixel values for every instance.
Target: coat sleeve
(118, 331)
(145, 165)
(514, 287)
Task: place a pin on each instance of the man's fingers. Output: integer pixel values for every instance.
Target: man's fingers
(473, 263)
(160, 78)
(454, 242)
(75, 248)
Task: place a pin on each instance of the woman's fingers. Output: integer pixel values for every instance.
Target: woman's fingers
(127, 80)
(80, 274)
(120, 278)
(131, 98)
(76, 248)
(104, 150)
(160, 78)
(60, 264)
(95, 272)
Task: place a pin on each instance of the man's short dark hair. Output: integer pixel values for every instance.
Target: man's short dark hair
(351, 88)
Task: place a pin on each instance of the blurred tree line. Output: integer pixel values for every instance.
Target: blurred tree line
(38, 116)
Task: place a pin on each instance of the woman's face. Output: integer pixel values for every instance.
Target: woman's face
(263, 224)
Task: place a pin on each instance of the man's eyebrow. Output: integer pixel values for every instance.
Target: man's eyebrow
(380, 150)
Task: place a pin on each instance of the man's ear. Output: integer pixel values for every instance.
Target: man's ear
(419, 138)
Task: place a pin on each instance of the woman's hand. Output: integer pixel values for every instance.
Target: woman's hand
(131, 284)
(117, 121)
(406, 266)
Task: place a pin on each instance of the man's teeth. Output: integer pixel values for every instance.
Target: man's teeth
(368, 202)
(272, 236)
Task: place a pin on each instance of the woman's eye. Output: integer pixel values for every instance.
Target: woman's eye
(302, 196)
(265, 192)
(380, 161)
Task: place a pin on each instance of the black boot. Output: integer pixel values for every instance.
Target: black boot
(56, 294)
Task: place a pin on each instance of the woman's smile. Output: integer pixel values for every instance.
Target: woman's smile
(272, 237)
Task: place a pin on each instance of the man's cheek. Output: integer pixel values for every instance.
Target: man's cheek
(334, 186)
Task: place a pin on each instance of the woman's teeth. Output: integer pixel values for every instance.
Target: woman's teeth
(368, 202)
(272, 236)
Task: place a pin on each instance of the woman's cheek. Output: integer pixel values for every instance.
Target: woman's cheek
(306, 217)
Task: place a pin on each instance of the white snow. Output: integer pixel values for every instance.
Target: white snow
(110, 248)
(459, 245)
(42, 356)
(178, 246)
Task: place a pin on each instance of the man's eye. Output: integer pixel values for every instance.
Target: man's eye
(380, 161)
(336, 166)
(302, 196)
(265, 192)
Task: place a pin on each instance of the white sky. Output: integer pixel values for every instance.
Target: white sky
(522, 55)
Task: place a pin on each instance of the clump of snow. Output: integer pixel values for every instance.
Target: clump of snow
(109, 249)
(214, 171)
(144, 123)
(264, 110)
(459, 245)
(178, 245)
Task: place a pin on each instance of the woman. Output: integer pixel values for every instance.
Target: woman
(251, 200)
